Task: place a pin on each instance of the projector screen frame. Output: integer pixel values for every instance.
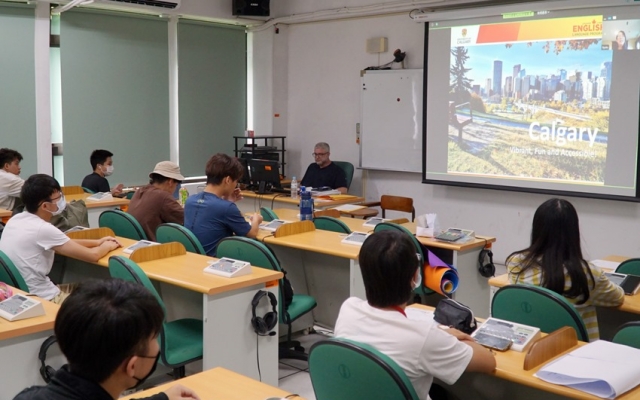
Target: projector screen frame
(491, 11)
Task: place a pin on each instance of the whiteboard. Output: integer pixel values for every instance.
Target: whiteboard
(391, 120)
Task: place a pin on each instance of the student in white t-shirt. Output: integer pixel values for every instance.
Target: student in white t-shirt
(30, 240)
(390, 271)
(10, 181)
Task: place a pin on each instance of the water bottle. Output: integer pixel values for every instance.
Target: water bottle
(184, 193)
(306, 205)
(294, 188)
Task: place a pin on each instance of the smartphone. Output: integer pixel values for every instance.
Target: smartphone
(493, 342)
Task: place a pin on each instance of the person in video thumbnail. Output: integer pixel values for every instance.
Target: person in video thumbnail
(621, 41)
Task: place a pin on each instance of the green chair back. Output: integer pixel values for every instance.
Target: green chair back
(180, 340)
(171, 232)
(267, 214)
(537, 306)
(630, 266)
(348, 169)
(345, 369)
(130, 194)
(331, 224)
(628, 334)
(391, 226)
(87, 190)
(10, 275)
(122, 224)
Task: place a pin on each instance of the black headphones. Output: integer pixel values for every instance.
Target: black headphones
(46, 371)
(263, 325)
(486, 268)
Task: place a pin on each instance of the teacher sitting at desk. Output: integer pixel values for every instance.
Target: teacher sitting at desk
(390, 272)
(323, 172)
(554, 260)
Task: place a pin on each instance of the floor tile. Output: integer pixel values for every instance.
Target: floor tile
(300, 384)
(285, 370)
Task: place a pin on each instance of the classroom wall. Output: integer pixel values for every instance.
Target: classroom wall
(324, 60)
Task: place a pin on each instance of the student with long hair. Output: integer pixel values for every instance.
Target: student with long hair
(554, 260)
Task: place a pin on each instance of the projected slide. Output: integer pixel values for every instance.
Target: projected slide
(526, 101)
(547, 100)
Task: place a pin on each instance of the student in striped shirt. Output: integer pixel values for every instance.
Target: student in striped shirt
(554, 260)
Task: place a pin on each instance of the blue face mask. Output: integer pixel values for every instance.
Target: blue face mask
(62, 204)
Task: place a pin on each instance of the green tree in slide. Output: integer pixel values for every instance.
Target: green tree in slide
(460, 85)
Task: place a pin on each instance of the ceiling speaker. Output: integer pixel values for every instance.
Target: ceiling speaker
(258, 8)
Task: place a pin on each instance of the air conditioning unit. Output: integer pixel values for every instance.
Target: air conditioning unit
(155, 4)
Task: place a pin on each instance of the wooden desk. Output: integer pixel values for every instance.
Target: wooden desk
(95, 208)
(513, 382)
(609, 318)
(220, 383)
(20, 343)
(224, 305)
(252, 202)
(5, 215)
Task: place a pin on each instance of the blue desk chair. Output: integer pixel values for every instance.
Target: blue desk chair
(537, 306)
(267, 214)
(422, 290)
(122, 224)
(342, 369)
(259, 255)
(171, 232)
(180, 340)
(630, 266)
(348, 169)
(628, 334)
(331, 224)
(10, 275)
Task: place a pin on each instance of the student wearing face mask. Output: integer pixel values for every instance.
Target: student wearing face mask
(30, 240)
(116, 348)
(390, 272)
(102, 164)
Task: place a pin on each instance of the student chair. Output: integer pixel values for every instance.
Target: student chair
(422, 290)
(180, 340)
(348, 169)
(331, 224)
(259, 255)
(630, 266)
(537, 306)
(69, 190)
(122, 224)
(345, 369)
(130, 195)
(171, 232)
(327, 213)
(10, 275)
(628, 334)
(267, 214)
(87, 190)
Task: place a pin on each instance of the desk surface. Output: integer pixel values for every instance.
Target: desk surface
(282, 198)
(631, 303)
(510, 367)
(5, 213)
(27, 326)
(95, 204)
(319, 241)
(187, 271)
(220, 383)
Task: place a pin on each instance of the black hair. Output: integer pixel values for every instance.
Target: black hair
(99, 157)
(388, 263)
(104, 322)
(157, 178)
(7, 156)
(555, 247)
(37, 189)
(220, 166)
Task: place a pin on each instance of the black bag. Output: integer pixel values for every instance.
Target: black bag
(455, 315)
(287, 290)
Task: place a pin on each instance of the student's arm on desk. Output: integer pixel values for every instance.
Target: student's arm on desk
(342, 190)
(87, 250)
(482, 360)
(256, 220)
(179, 392)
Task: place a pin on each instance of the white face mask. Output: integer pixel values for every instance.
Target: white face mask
(62, 204)
(417, 280)
(108, 170)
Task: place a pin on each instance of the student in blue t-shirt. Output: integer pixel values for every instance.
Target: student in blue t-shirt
(212, 215)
